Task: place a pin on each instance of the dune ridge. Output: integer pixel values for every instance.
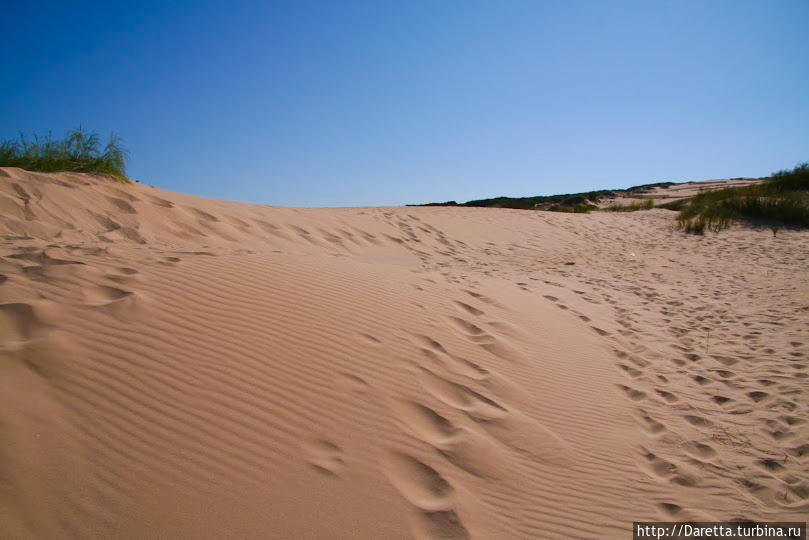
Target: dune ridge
(178, 366)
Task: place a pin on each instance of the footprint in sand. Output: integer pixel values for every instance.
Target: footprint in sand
(656, 465)
(470, 369)
(800, 452)
(429, 343)
(272, 229)
(472, 451)
(649, 424)
(160, 202)
(483, 298)
(699, 379)
(238, 223)
(698, 421)
(509, 426)
(325, 457)
(631, 393)
(629, 370)
(791, 420)
(721, 400)
(422, 421)
(498, 347)
(19, 325)
(429, 493)
(203, 215)
(660, 468)
(465, 326)
(770, 465)
(352, 383)
(668, 396)
(120, 279)
(125, 195)
(671, 511)
(441, 524)
(700, 450)
(758, 396)
(469, 309)
(102, 295)
(122, 205)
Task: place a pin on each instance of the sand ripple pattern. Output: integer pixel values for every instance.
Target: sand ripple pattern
(174, 366)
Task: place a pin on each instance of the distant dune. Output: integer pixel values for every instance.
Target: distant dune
(181, 367)
(660, 193)
(670, 192)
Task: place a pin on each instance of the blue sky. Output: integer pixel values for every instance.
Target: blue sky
(390, 102)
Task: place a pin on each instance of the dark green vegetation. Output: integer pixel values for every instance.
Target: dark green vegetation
(649, 187)
(646, 204)
(673, 205)
(782, 200)
(78, 151)
(571, 202)
(576, 202)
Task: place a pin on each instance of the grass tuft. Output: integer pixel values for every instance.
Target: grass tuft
(782, 200)
(673, 205)
(647, 204)
(578, 208)
(78, 151)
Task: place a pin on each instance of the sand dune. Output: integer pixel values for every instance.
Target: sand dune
(663, 193)
(181, 367)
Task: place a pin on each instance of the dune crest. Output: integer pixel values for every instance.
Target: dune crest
(177, 366)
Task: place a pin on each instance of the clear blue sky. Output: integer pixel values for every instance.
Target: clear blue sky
(390, 102)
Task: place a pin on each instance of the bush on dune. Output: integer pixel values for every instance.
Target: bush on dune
(783, 199)
(78, 151)
(647, 204)
(676, 205)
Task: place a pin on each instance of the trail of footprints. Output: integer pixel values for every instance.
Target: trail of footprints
(430, 493)
(477, 434)
(58, 273)
(715, 384)
(461, 421)
(740, 394)
(722, 354)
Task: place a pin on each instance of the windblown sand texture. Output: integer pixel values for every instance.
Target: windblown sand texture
(180, 367)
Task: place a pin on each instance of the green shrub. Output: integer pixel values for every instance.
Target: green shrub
(795, 180)
(79, 151)
(783, 199)
(578, 202)
(581, 208)
(647, 204)
(696, 226)
(674, 205)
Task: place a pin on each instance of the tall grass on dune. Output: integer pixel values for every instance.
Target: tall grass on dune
(647, 204)
(78, 151)
(782, 200)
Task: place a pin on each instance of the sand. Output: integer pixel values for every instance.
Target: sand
(181, 367)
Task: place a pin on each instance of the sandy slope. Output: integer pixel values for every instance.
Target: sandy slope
(662, 194)
(180, 367)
